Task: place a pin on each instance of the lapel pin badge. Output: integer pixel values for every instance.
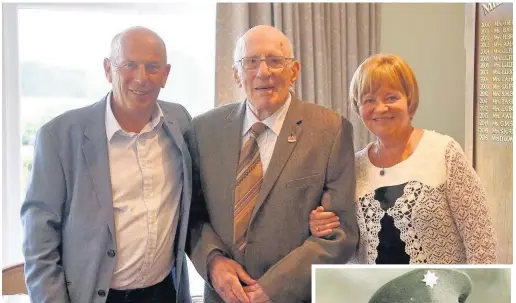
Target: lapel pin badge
(291, 138)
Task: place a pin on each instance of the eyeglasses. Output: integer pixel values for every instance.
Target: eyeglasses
(274, 62)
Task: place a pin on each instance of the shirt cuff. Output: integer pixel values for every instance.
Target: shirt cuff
(211, 256)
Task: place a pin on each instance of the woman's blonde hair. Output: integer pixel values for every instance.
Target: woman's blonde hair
(378, 70)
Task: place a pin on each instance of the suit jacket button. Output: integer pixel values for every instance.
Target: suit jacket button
(101, 293)
(111, 253)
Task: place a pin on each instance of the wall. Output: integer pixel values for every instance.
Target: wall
(431, 38)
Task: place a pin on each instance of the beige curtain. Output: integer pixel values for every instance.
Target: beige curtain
(330, 40)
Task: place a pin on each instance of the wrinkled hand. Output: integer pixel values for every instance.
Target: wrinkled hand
(225, 275)
(256, 294)
(322, 223)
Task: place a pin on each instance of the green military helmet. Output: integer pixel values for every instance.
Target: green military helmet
(425, 286)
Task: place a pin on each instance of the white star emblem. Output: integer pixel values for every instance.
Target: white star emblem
(430, 279)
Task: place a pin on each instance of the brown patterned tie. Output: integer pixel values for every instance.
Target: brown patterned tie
(249, 181)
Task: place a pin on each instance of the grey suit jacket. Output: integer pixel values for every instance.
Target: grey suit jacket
(280, 249)
(67, 214)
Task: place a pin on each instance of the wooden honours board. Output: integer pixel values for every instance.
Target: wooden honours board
(492, 150)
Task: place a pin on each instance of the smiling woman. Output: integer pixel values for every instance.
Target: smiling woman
(416, 193)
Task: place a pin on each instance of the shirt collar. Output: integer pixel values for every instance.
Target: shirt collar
(112, 125)
(274, 122)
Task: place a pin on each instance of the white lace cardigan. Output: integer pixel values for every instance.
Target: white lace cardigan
(442, 215)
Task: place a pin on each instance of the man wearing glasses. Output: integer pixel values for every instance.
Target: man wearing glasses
(264, 165)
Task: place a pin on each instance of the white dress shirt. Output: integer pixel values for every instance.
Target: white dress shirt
(146, 181)
(267, 140)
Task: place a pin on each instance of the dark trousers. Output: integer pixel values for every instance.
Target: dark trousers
(163, 292)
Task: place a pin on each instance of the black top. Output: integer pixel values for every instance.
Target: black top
(391, 249)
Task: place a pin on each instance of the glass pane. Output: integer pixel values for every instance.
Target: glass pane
(61, 50)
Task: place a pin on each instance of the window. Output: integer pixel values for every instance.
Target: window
(52, 59)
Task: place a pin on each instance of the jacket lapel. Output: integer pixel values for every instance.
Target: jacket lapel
(174, 132)
(282, 150)
(230, 143)
(95, 151)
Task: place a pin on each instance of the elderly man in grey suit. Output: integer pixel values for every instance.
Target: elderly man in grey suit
(264, 165)
(106, 212)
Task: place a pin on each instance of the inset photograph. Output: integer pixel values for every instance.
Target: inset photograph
(411, 285)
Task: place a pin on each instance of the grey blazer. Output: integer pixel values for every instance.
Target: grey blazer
(67, 214)
(280, 249)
